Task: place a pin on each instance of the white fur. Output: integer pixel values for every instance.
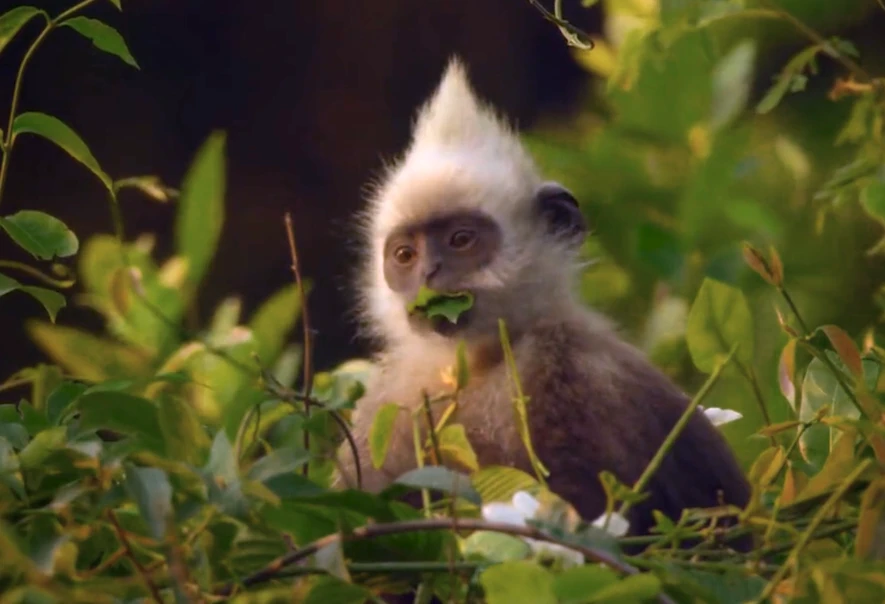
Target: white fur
(462, 156)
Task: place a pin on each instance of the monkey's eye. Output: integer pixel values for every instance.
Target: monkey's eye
(404, 254)
(462, 240)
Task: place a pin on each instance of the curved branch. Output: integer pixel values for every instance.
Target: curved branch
(273, 569)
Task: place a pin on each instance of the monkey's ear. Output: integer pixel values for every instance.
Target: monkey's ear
(559, 209)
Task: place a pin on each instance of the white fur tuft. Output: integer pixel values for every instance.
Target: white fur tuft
(462, 156)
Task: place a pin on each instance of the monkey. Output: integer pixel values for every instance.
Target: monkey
(465, 208)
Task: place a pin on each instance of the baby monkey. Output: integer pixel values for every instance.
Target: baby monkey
(465, 210)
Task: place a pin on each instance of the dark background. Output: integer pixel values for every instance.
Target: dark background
(313, 95)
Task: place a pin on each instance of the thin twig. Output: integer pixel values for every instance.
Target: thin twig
(434, 439)
(576, 36)
(811, 34)
(393, 528)
(124, 541)
(305, 322)
(665, 447)
(20, 78)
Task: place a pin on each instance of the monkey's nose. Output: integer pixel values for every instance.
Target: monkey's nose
(432, 270)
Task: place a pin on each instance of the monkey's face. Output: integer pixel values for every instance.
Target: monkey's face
(443, 253)
(468, 250)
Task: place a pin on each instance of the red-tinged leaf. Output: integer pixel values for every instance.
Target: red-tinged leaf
(779, 427)
(786, 372)
(776, 266)
(756, 261)
(846, 349)
(870, 542)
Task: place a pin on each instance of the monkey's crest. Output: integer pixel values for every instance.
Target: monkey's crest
(462, 156)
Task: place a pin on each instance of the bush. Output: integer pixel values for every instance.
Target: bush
(165, 461)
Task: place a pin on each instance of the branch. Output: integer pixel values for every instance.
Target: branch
(273, 569)
(145, 575)
(305, 322)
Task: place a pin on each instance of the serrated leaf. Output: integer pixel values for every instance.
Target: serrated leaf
(500, 483)
(41, 235)
(52, 301)
(201, 207)
(438, 478)
(13, 20)
(56, 131)
(519, 581)
(719, 319)
(152, 492)
(381, 432)
(432, 303)
(103, 36)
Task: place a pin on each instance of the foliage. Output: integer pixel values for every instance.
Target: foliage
(169, 460)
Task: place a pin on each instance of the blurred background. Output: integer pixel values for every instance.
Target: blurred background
(315, 95)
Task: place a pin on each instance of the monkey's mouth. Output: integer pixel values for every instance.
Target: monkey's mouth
(447, 328)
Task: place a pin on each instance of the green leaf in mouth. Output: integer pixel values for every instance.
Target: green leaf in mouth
(438, 304)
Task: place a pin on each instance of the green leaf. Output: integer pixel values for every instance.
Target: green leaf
(438, 478)
(286, 460)
(495, 547)
(9, 468)
(13, 20)
(872, 198)
(52, 301)
(437, 304)
(579, 584)
(43, 236)
(732, 79)
(381, 432)
(719, 319)
(125, 413)
(103, 36)
(455, 447)
(273, 321)
(500, 483)
(152, 492)
(332, 589)
(42, 446)
(56, 131)
(519, 581)
(185, 438)
(117, 4)
(788, 76)
(201, 207)
(635, 588)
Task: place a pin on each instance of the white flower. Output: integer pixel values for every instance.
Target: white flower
(523, 507)
(720, 416)
(617, 524)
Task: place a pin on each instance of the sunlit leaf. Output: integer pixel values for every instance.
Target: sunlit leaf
(53, 129)
(273, 321)
(201, 207)
(518, 581)
(455, 448)
(432, 304)
(732, 79)
(13, 20)
(582, 583)
(500, 483)
(495, 547)
(381, 432)
(43, 236)
(103, 36)
(719, 319)
(185, 438)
